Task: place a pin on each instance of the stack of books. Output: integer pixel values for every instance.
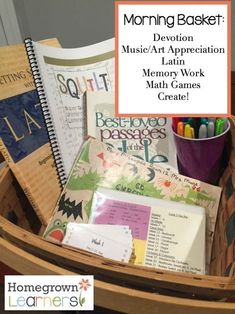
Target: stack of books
(114, 171)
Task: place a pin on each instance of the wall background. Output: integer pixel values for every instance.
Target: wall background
(75, 22)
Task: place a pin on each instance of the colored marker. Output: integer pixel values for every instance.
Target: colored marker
(202, 133)
(187, 131)
(180, 128)
(192, 132)
(210, 129)
(204, 121)
(190, 121)
(175, 122)
(211, 120)
(225, 124)
(197, 124)
(219, 126)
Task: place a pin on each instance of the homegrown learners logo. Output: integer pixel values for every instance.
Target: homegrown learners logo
(31, 293)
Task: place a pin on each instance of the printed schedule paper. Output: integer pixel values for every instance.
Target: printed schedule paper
(100, 165)
(167, 235)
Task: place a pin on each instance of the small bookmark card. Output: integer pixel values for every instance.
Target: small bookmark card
(114, 242)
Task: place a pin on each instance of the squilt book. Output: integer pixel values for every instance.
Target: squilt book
(62, 75)
(99, 165)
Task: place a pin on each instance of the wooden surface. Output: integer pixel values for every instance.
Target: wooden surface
(112, 296)
(5, 270)
(118, 286)
(145, 278)
(233, 93)
(29, 254)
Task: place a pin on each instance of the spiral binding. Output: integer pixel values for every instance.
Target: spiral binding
(46, 112)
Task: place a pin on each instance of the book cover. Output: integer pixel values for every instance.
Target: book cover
(168, 235)
(63, 75)
(24, 141)
(14, 204)
(149, 139)
(99, 165)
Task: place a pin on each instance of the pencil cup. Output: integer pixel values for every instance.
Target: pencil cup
(201, 158)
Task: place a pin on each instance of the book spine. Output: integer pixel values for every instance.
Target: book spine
(22, 182)
(45, 109)
(5, 153)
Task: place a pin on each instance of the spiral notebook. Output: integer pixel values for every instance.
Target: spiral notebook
(61, 77)
(23, 135)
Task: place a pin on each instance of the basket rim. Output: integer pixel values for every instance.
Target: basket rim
(194, 286)
(110, 295)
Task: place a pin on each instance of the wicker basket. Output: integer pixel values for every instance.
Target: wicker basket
(118, 286)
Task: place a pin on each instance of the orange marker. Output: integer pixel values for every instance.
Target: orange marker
(180, 128)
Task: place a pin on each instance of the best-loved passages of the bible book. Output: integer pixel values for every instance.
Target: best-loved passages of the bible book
(149, 139)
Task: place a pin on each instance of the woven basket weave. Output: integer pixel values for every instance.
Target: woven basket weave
(223, 253)
(118, 286)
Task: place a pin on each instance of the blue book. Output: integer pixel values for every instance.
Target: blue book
(24, 141)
